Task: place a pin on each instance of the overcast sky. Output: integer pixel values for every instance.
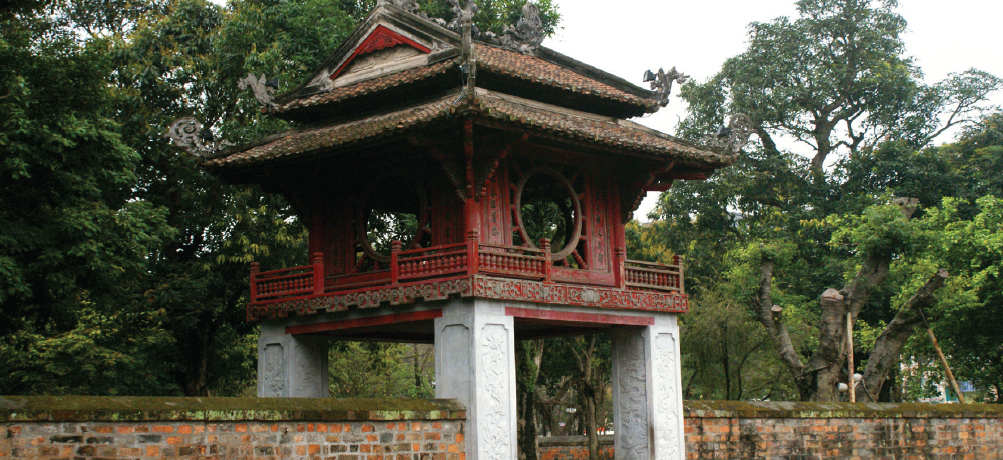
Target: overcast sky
(626, 37)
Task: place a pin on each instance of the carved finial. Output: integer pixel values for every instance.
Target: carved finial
(186, 132)
(662, 82)
(462, 15)
(528, 32)
(730, 139)
(261, 87)
(411, 6)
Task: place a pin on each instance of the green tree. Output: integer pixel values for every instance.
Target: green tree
(73, 240)
(831, 84)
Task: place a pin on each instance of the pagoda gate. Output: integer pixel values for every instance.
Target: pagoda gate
(470, 191)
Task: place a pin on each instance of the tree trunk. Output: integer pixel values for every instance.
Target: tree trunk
(591, 426)
(770, 316)
(528, 358)
(885, 354)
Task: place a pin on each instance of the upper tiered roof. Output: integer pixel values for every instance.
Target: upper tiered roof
(399, 71)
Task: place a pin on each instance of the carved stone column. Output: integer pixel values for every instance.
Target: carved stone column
(291, 366)
(475, 364)
(647, 401)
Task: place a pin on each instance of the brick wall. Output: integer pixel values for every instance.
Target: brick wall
(394, 429)
(731, 429)
(210, 428)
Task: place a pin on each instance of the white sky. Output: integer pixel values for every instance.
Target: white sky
(626, 37)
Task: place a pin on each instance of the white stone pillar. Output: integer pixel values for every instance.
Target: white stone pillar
(291, 366)
(647, 396)
(475, 364)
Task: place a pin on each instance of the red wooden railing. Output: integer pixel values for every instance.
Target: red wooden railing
(651, 275)
(469, 257)
(513, 262)
(422, 263)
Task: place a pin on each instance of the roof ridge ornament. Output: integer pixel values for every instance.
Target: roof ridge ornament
(262, 87)
(528, 33)
(186, 133)
(662, 82)
(411, 6)
(730, 139)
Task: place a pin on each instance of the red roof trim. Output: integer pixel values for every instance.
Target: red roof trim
(379, 39)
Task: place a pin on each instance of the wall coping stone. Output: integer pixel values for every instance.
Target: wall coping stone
(812, 409)
(216, 409)
(572, 440)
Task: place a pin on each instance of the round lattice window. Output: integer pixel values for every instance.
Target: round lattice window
(388, 214)
(547, 206)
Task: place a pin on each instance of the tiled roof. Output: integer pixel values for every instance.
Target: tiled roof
(295, 142)
(366, 87)
(542, 72)
(510, 64)
(553, 120)
(592, 128)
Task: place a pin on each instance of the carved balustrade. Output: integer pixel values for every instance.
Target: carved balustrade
(515, 262)
(651, 275)
(433, 262)
(446, 261)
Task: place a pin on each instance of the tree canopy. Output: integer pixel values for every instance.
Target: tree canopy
(842, 124)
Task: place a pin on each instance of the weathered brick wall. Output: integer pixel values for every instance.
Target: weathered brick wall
(729, 429)
(218, 428)
(572, 447)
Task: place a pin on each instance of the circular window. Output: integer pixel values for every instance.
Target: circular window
(548, 207)
(389, 214)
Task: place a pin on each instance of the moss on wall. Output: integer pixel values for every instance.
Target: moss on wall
(139, 408)
(788, 409)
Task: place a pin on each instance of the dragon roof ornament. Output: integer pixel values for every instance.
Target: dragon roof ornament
(730, 139)
(661, 82)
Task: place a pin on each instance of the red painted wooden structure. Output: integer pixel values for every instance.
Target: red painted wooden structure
(418, 181)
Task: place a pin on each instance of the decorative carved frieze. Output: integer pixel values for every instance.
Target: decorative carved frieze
(578, 296)
(477, 286)
(363, 298)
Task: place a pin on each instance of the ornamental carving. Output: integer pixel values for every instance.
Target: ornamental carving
(632, 401)
(494, 442)
(261, 87)
(477, 286)
(580, 296)
(666, 407)
(732, 138)
(368, 298)
(661, 82)
(274, 375)
(528, 33)
(186, 132)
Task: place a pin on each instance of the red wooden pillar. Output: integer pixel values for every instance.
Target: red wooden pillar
(619, 258)
(318, 272)
(678, 261)
(472, 250)
(548, 264)
(395, 250)
(255, 268)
